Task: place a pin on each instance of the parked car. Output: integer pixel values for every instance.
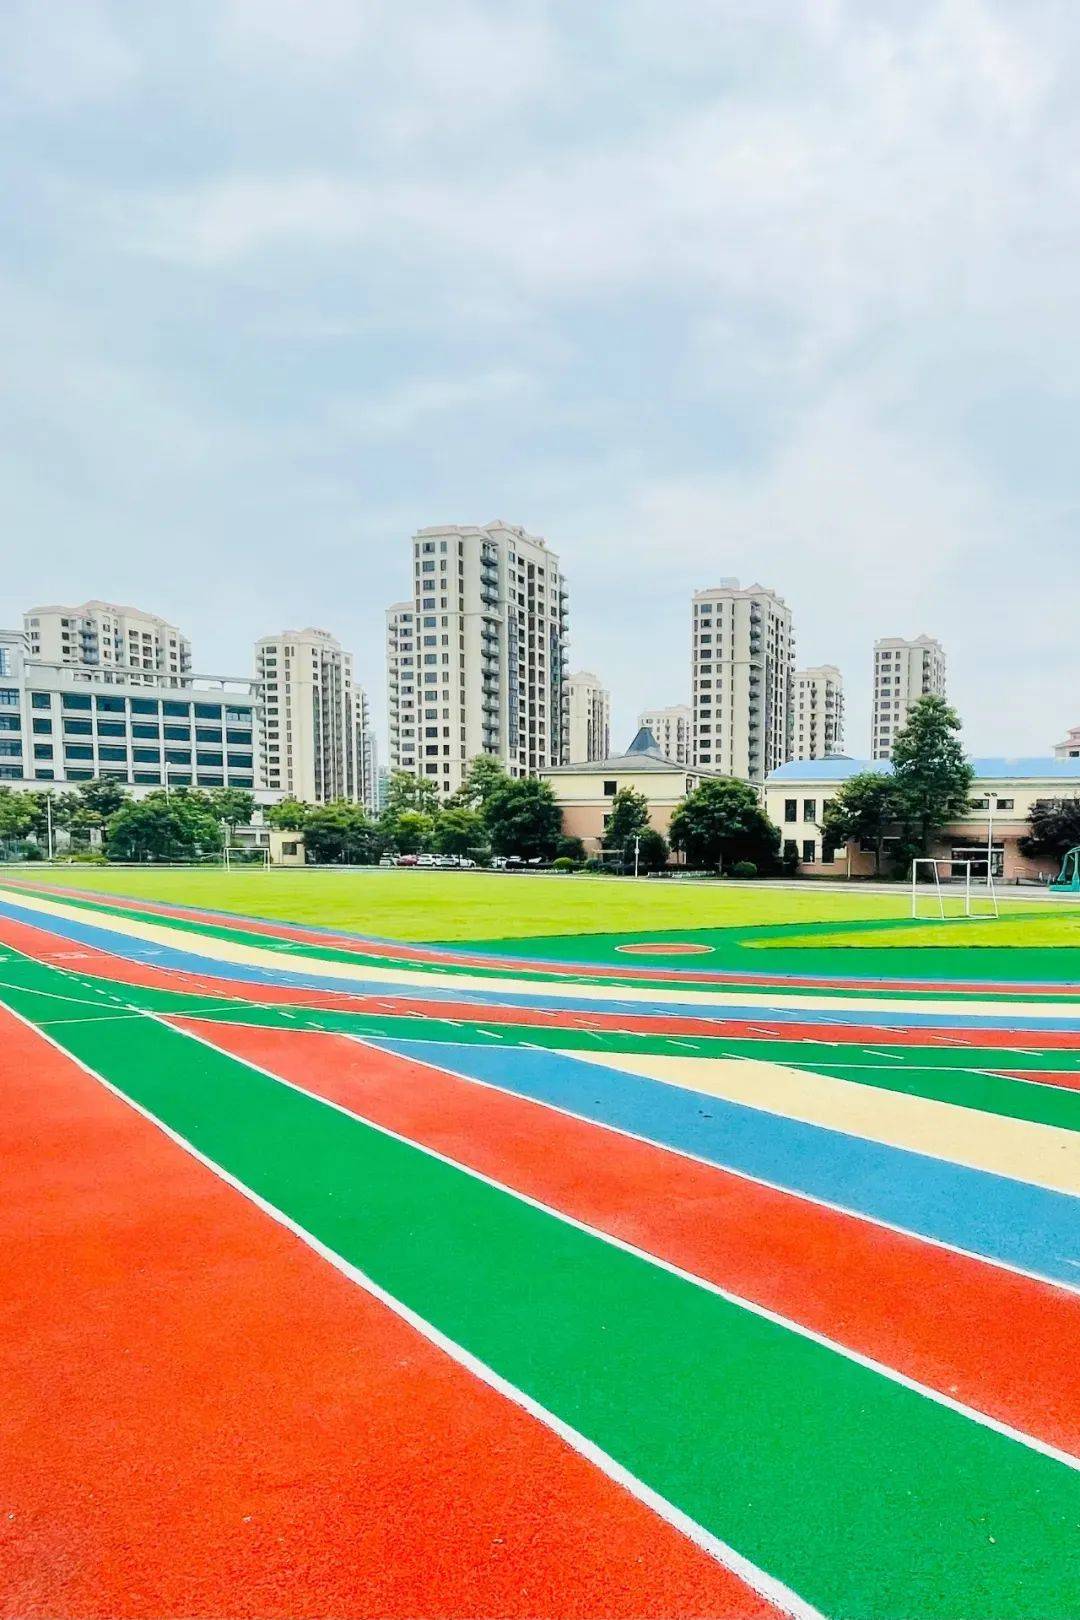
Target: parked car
(388, 860)
(407, 860)
(425, 860)
(466, 865)
(447, 863)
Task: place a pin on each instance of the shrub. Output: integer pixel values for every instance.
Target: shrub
(563, 863)
(744, 869)
(595, 865)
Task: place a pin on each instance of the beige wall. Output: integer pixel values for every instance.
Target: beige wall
(970, 831)
(584, 804)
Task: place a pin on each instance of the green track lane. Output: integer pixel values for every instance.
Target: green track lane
(869, 1500)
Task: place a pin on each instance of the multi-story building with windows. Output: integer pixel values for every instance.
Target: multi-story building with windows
(904, 672)
(108, 637)
(743, 654)
(62, 723)
(1069, 747)
(588, 714)
(673, 729)
(476, 659)
(314, 717)
(817, 712)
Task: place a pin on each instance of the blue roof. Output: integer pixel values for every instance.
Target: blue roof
(993, 767)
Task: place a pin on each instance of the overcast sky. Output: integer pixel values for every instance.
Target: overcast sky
(782, 289)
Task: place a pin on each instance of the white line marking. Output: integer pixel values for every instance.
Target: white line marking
(757, 1579)
(749, 1305)
(381, 1041)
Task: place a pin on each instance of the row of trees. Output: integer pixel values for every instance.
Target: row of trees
(183, 823)
(721, 823)
(491, 814)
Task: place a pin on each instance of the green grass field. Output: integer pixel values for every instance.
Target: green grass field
(458, 906)
(414, 905)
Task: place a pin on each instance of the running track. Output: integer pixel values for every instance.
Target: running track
(348, 1278)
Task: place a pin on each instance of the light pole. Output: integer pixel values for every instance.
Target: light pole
(637, 851)
(48, 819)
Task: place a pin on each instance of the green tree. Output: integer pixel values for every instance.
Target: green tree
(863, 809)
(486, 775)
(721, 822)
(629, 815)
(341, 831)
(1054, 828)
(932, 776)
(288, 815)
(652, 851)
(523, 819)
(408, 792)
(162, 827)
(234, 807)
(413, 830)
(459, 831)
(16, 813)
(99, 799)
(569, 848)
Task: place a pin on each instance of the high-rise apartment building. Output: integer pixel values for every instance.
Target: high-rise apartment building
(313, 717)
(904, 672)
(122, 643)
(817, 712)
(588, 712)
(743, 653)
(673, 729)
(475, 661)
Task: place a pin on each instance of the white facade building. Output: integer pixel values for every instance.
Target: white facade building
(673, 729)
(135, 648)
(475, 661)
(588, 712)
(1069, 748)
(313, 717)
(62, 724)
(817, 712)
(743, 654)
(904, 672)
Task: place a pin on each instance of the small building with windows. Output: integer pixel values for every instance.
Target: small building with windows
(1002, 793)
(584, 791)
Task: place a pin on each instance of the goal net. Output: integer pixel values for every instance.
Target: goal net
(247, 855)
(963, 896)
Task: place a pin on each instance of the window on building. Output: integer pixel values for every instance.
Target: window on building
(809, 850)
(809, 810)
(791, 809)
(40, 700)
(610, 789)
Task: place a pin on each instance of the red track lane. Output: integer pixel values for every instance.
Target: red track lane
(203, 1418)
(445, 956)
(941, 1318)
(1067, 1080)
(88, 959)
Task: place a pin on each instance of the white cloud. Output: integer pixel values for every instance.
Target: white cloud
(64, 54)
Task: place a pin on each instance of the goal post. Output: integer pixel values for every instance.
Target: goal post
(971, 893)
(254, 855)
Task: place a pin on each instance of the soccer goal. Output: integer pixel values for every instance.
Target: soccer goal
(256, 855)
(959, 880)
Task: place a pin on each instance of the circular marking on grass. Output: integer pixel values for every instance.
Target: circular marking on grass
(673, 947)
